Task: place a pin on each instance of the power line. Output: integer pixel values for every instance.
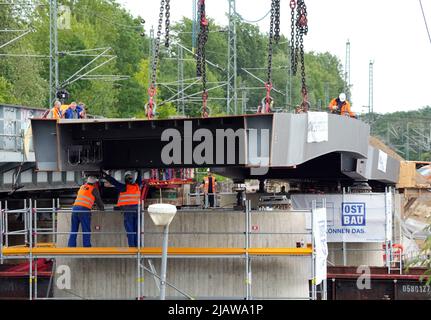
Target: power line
(425, 20)
(253, 21)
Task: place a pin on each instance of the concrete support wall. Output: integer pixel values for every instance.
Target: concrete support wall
(281, 277)
(357, 254)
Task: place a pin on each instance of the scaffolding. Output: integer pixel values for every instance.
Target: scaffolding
(32, 249)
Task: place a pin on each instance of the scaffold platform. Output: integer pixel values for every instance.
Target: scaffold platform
(46, 250)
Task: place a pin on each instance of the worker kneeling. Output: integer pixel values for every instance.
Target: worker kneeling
(341, 106)
(88, 194)
(128, 201)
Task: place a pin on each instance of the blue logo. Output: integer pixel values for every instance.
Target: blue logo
(353, 214)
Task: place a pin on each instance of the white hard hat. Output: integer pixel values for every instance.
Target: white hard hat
(91, 179)
(342, 97)
(128, 173)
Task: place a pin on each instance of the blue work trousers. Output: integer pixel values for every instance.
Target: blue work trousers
(131, 224)
(80, 215)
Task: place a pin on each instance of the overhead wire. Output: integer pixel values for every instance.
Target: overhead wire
(253, 21)
(425, 20)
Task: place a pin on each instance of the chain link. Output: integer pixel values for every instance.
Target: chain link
(302, 25)
(157, 45)
(201, 55)
(299, 29)
(152, 90)
(167, 23)
(271, 42)
(276, 20)
(293, 60)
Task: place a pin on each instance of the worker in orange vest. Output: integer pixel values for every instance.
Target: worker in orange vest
(88, 194)
(341, 106)
(210, 188)
(129, 198)
(56, 112)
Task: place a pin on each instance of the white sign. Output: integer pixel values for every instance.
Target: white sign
(389, 211)
(320, 244)
(352, 217)
(317, 127)
(383, 161)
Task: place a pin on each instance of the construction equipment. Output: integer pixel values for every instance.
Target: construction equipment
(274, 36)
(299, 29)
(201, 57)
(150, 107)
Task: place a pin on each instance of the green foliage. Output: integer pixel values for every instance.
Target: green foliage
(166, 111)
(104, 23)
(402, 131)
(6, 89)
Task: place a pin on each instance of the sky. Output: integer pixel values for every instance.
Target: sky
(392, 33)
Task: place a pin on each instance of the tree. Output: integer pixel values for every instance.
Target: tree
(104, 23)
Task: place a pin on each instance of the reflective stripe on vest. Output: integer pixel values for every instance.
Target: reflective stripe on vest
(206, 181)
(85, 196)
(56, 113)
(131, 196)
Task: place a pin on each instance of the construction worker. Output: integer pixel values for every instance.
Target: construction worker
(88, 194)
(55, 112)
(73, 112)
(341, 106)
(82, 111)
(210, 188)
(128, 201)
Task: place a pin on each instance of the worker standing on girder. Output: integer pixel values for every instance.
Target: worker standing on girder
(55, 112)
(73, 112)
(88, 194)
(341, 106)
(210, 185)
(128, 201)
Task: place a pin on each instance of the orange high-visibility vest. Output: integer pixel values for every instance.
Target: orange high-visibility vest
(343, 108)
(85, 196)
(131, 196)
(207, 182)
(56, 113)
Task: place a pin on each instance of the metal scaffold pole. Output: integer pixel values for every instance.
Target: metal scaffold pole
(371, 89)
(181, 98)
(232, 94)
(347, 71)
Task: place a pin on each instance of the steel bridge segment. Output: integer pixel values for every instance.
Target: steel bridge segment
(90, 145)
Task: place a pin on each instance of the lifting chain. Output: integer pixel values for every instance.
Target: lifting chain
(293, 56)
(274, 36)
(276, 20)
(302, 24)
(167, 23)
(201, 57)
(152, 90)
(299, 29)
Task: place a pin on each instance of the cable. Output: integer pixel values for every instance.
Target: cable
(91, 13)
(425, 20)
(253, 21)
